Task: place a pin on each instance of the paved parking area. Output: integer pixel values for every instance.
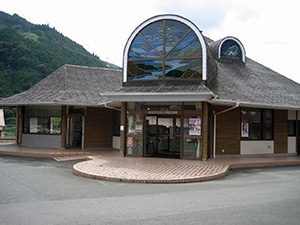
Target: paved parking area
(43, 191)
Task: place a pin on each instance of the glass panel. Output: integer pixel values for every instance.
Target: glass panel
(139, 106)
(192, 126)
(55, 125)
(165, 125)
(131, 106)
(177, 145)
(151, 134)
(189, 106)
(178, 126)
(192, 147)
(145, 70)
(251, 124)
(292, 128)
(174, 32)
(154, 34)
(165, 144)
(151, 125)
(135, 124)
(189, 46)
(41, 120)
(230, 49)
(134, 145)
(140, 49)
(183, 69)
(268, 125)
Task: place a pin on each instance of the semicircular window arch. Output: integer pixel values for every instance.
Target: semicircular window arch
(232, 49)
(165, 49)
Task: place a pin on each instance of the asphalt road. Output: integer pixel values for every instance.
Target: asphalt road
(42, 191)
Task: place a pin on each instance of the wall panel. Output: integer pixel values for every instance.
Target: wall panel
(98, 128)
(228, 131)
(280, 131)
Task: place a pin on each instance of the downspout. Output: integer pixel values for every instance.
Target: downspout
(215, 125)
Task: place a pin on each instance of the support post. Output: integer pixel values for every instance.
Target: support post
(19, 124)
(123, 129)
(63, 127)
(205, 132)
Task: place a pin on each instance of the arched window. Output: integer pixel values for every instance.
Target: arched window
(165, 47)
(231, 48)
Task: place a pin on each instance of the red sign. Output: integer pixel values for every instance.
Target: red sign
(129, 141)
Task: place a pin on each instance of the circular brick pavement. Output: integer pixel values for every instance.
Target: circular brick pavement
(149, 170)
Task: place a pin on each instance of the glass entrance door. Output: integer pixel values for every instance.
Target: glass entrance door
(163, 136)
(74, 125)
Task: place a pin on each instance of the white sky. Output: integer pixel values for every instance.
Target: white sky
(268, 29)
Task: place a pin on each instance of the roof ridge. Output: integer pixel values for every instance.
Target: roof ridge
(90, 67)
(65, 78)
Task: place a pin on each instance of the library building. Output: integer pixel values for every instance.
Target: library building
(179, 95)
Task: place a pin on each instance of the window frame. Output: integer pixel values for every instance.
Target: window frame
(164, 57)
(165, 17)
(293, 134)
(41, 120)
(243, 52)
(263, 125)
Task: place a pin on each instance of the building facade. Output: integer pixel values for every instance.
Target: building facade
(186, 96)
(180, 95)
(65, 110)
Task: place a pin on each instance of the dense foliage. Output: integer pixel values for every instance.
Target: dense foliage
(30, 52)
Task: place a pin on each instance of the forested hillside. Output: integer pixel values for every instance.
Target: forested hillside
(30, 52)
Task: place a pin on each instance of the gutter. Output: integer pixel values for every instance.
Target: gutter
(253, 104)
(109, 107)
(157, 93)
(215, 125)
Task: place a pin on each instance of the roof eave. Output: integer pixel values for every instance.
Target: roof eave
(159, 97)
(253, 104)
(49, 104)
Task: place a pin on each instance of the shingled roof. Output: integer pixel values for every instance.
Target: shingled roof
(252, 84)
(229, 82)
(70, 85)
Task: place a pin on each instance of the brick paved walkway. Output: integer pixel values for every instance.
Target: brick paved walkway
(106, 164)
(149, 170)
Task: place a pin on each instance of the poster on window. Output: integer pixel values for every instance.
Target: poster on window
(194, 126)
(33, 125)
(245, 130)
(129, 141)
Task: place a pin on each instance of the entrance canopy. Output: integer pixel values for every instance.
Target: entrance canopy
(155, 91)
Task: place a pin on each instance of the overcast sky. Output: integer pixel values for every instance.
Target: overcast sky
(268, 29)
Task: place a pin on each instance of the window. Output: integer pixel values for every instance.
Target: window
(116, 123)
(256, 124)
(134, 142)
(39, 120)
(192, 130)
(232, 48)
(165, 49)
(292, 128)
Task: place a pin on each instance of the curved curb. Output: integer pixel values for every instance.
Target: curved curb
(117, 173)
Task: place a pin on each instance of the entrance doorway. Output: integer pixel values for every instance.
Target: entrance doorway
(75, 132)
(163, 136)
